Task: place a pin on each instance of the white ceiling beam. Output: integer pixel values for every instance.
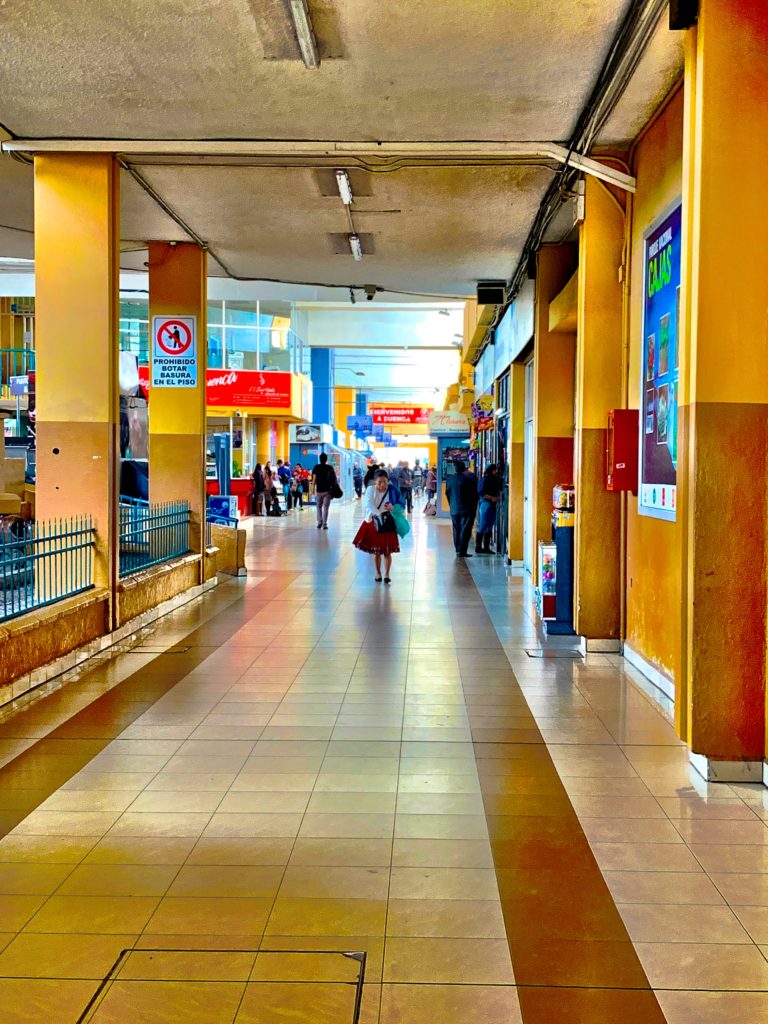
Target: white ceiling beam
(492, 152)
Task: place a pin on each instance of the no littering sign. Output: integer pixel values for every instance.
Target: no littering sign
(174, 351)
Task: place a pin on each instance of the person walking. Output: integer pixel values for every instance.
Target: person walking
(377, 534)
(489, 490)
(299, 486)
(405, 483)
(284, 476)
(257, 503)
(323, 480)
(357, 479)
(461, 492)
(418, 479)
(430, 484)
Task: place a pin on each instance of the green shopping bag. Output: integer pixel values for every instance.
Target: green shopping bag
(402, 525)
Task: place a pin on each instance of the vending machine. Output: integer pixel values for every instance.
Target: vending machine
(555, 591)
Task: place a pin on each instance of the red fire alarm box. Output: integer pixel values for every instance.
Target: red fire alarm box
(621, 450)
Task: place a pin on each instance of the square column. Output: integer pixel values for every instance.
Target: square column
(177, 288)
(597, 551)
(724, 407)
(77, 237)
(554, 357)
(516, 492)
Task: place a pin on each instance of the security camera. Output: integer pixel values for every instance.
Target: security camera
(370, 290)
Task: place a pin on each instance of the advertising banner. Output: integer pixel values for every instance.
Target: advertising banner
(657, 495)
(400, 414)
(244, 389)
(451, 421)
(361, 424)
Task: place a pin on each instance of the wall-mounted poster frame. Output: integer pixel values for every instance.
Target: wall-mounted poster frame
(659, 371)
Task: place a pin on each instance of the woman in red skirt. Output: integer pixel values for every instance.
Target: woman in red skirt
(380, 497)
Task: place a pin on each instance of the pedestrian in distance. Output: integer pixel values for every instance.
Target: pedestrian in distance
(461, 493)
(357, 479)
(489, 491)
(257, 498)
(378, 533)
(323, 480)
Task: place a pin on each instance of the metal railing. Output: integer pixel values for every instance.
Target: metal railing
(151, 534)
(41, 563)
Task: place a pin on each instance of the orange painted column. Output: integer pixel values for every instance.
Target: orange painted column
(77, 236)
(177, 415)
(725, 271)
(554, 364)
(516, 462)
(344, 405)
(597, 550)
(263, 440)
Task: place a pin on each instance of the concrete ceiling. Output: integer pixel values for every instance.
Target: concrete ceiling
(419, 71)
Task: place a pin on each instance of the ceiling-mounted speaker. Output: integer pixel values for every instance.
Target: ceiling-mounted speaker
(683, 14)
(491, 293)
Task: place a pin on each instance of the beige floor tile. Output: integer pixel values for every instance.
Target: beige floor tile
(447, 961)
(340, 802)
(330, 782)
(653, 922)
(360, 825)
(140, 850)
(450, 1004)
(289, 969)
(697, 809)
(327, 917)
(714, 1007)
(15, 911)
(715, 858)
(45, 849)
(447, 853)
(332, 852)
(161, 1001)
(742, 889)
(232, 880)
(248, 852)
(210, 916)
(703, 966)
(439, 883)
(471, 918)
(645, 857)
(32, 879)
(440, 826)
(669, 887)
(254, 825)
(309, 1003)
(177, 802)
(263, 802)
(747, 833)
(118, 880)
(335, 882)
(62, 956)
(41, 1001)
(630, 830)
(160, 824)
(66, 823)
(187, 965)
(755, 920)
(94, 915)
(254, 782)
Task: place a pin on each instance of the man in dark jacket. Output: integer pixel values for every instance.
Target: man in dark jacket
(461, 492)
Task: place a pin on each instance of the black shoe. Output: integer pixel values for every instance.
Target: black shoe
(489, 551)
(465, 554)
(387, 579)
(325, 527)
(319, 526)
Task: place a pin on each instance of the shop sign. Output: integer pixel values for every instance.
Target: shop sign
(393, 415)
(482, 413)
(660, 368)
(449, 421)
(241, 389)
(174, 351)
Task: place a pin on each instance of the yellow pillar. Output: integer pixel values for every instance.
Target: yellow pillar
(77, 236)
(597, 540)
(554, 357)
(516, 461)
(262, 440)
(177, 417)
(344, 405)
(725, 269)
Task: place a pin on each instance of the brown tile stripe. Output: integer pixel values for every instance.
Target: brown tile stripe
(33, 776)
(571, 954)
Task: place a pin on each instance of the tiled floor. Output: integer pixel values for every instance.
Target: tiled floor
(315, 763)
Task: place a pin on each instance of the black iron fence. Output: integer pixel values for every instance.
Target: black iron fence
(41, 563)
(151, 534)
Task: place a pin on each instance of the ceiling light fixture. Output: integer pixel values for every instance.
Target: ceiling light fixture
(305, 33)
(357, 249)
(345, 189)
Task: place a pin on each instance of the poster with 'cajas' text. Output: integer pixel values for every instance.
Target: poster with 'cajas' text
(657, 494)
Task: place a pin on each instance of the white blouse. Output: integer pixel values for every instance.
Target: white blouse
(374, 502)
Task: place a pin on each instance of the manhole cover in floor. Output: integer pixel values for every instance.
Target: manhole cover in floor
(244, 986)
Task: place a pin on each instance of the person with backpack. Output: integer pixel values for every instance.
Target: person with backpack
(324, 481)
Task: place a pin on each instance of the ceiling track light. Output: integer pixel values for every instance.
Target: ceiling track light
(303, 24)
(344, 187)
(356, 247)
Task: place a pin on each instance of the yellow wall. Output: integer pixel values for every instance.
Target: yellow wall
(343, 405)
(653, 545)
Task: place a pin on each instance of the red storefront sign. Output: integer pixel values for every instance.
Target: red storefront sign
(400, 414)
(247, 389)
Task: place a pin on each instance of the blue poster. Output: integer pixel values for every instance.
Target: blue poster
(360, 424)
(660, 369)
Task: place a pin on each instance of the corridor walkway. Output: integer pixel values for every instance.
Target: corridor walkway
(306, 764)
